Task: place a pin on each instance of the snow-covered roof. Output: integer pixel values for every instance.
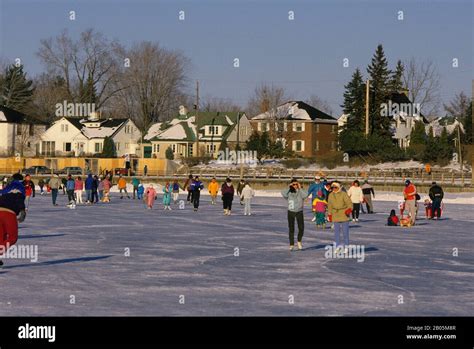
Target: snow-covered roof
(106, 128)
(294, 110)
(153, 131)
(438, 127)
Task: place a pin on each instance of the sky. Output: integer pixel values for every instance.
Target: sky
(304, 55)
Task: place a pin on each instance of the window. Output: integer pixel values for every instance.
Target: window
(156, 148)
(98, 147)
(298, 146)
(298, 127)
(173, 146)
(64, 127)
(128, 129)
(48, 148)
(190, 150)
(117, 145)
(317, 146)
(28, 144)
(18, 130)
(211, 148)
(66, 146)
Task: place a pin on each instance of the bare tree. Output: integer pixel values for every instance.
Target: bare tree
(91, 62)
(151, 88)
(458, 106)
(422, 80)
(266, 97)
(210, 103)
(320, 104)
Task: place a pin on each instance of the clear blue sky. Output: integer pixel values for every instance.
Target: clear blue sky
(304, 56)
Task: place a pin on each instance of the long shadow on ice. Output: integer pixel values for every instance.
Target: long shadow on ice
(59, 261)
(39, 236)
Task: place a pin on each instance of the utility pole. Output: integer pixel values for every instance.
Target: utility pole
(460, 148)
(197, 118)
(367, 94)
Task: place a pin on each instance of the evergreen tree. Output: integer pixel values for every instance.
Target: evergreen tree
(169, 153)
(108, 150)
(354, 103)
(379, 76)
(467, 123)
(16, 89)
(445, 146)
(396, 83)
(418, 134)
(87, 92)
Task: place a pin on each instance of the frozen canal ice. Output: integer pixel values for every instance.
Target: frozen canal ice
(183, 263)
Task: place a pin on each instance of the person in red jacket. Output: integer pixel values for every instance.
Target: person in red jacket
(29, 190)
(410, 194)
(393, 220)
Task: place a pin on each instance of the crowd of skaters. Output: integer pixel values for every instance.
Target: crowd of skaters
(331, 202)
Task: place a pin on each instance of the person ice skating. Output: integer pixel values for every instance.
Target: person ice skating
(41, 185)
(88, 186)
(340, 208)
(78, 189)
(187, 186)
(392, 220)
(122, 186)
(94, 192)
(70, 186)
(175, 189)
(29, 190)
(196, 187)
(436, 195)
(54, 184)
(314, 188)
(357, 197)
(227, 191)
(140, 192)
(428, 208)
(240, 187)
(368, 192)
(213, 189)
(100, 189)
(145, 170)
(150, 196)
(319, 209)
(410, 195)
(12, 204)
(135, 184)
(106, 185)
(246, 197)
(167, 189)
(295, 195)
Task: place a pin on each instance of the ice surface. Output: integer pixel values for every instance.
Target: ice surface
(181, 252)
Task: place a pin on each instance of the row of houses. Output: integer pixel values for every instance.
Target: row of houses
(300, 127)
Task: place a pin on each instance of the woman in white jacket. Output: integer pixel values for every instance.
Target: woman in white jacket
(246, 196)
(357, 197)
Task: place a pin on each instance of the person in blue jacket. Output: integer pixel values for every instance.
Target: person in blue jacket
(70, 186)
(88, 187)
(315, 187)
(196, 187)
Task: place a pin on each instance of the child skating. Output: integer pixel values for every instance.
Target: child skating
(150, 196)
(167, 189)
(246, 197)
(319, 209)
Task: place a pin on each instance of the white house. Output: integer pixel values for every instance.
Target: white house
(214, 128)
(19, 133)
(82, 137)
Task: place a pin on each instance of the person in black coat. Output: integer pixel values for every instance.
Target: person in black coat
(436, 195)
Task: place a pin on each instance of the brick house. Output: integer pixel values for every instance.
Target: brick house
(305, 130)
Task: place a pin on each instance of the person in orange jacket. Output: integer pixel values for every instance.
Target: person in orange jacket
(213, 188)
(122, 185)
(410, 195)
